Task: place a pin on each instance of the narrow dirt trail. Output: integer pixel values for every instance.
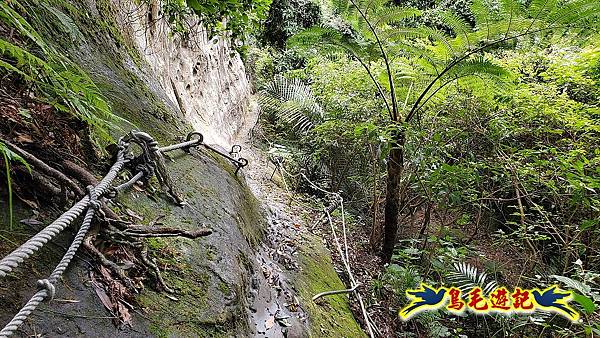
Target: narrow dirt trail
(294, 262)
(276, 310)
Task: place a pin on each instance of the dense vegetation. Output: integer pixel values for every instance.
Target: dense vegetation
(456, 131)
(470, 130)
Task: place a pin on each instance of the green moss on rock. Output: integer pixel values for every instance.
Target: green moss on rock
(332, 316)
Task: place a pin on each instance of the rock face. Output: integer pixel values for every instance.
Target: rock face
(204, 78)
(167, 86)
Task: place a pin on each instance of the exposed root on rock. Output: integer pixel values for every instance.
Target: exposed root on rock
(118, 246)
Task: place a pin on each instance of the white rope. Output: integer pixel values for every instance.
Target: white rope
(90, 204)
(12, 260)
(46, 286)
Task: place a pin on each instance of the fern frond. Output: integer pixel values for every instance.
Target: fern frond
(67, 23)
(457, 24)
(68, 88)
(541, 9)
(330, 43)
(401, 33)
(292, 102)
(575, 12)
(465, 277)
(497, 30)
(512, 8)
(14, 19)
(10, 68)
(482, 13)
(394, 14)
(477, 65)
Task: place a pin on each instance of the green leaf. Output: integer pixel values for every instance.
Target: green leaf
(194, 4)
(573, 284)
(586, 303)
(588, 223)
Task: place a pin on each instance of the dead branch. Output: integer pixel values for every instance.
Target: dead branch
(87, 178)
(145, 231)
(44, 168)
(112, 266)
(336, 292)
(80, 174)
(151, 263)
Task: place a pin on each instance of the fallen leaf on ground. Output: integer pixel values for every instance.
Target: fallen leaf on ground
(103, 297)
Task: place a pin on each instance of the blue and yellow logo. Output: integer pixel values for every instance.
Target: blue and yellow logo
(501, 300)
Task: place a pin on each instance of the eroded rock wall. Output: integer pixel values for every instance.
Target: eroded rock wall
(202, 77)
(164, 87)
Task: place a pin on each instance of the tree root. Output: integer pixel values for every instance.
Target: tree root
(81, 174)
(112, 266)
(151, 263)
(130, 235)
(44, 168)
(144, 231)
(114, 231)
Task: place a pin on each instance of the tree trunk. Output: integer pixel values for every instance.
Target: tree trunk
(395, 167)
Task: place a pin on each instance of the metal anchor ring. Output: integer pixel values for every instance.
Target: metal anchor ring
(189, 138)
(235, 149)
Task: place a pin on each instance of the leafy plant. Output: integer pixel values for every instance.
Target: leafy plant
(235, 18)
(372, 32)
(292, 102)
(9, 156)
(288, 17)
(465, 277)
(64, 84)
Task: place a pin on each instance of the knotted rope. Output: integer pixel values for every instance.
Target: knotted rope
(46, 286)
(146, 165)
(12, 260)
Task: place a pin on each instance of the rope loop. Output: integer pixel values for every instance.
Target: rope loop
(94, 203)
(45, 284)
(147, 169)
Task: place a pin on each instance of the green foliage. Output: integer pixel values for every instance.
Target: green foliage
(236, 18)
(9, 156)
(288, 17)
(466, 277)
(292, 102)
(499, 105)
(61, 82)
